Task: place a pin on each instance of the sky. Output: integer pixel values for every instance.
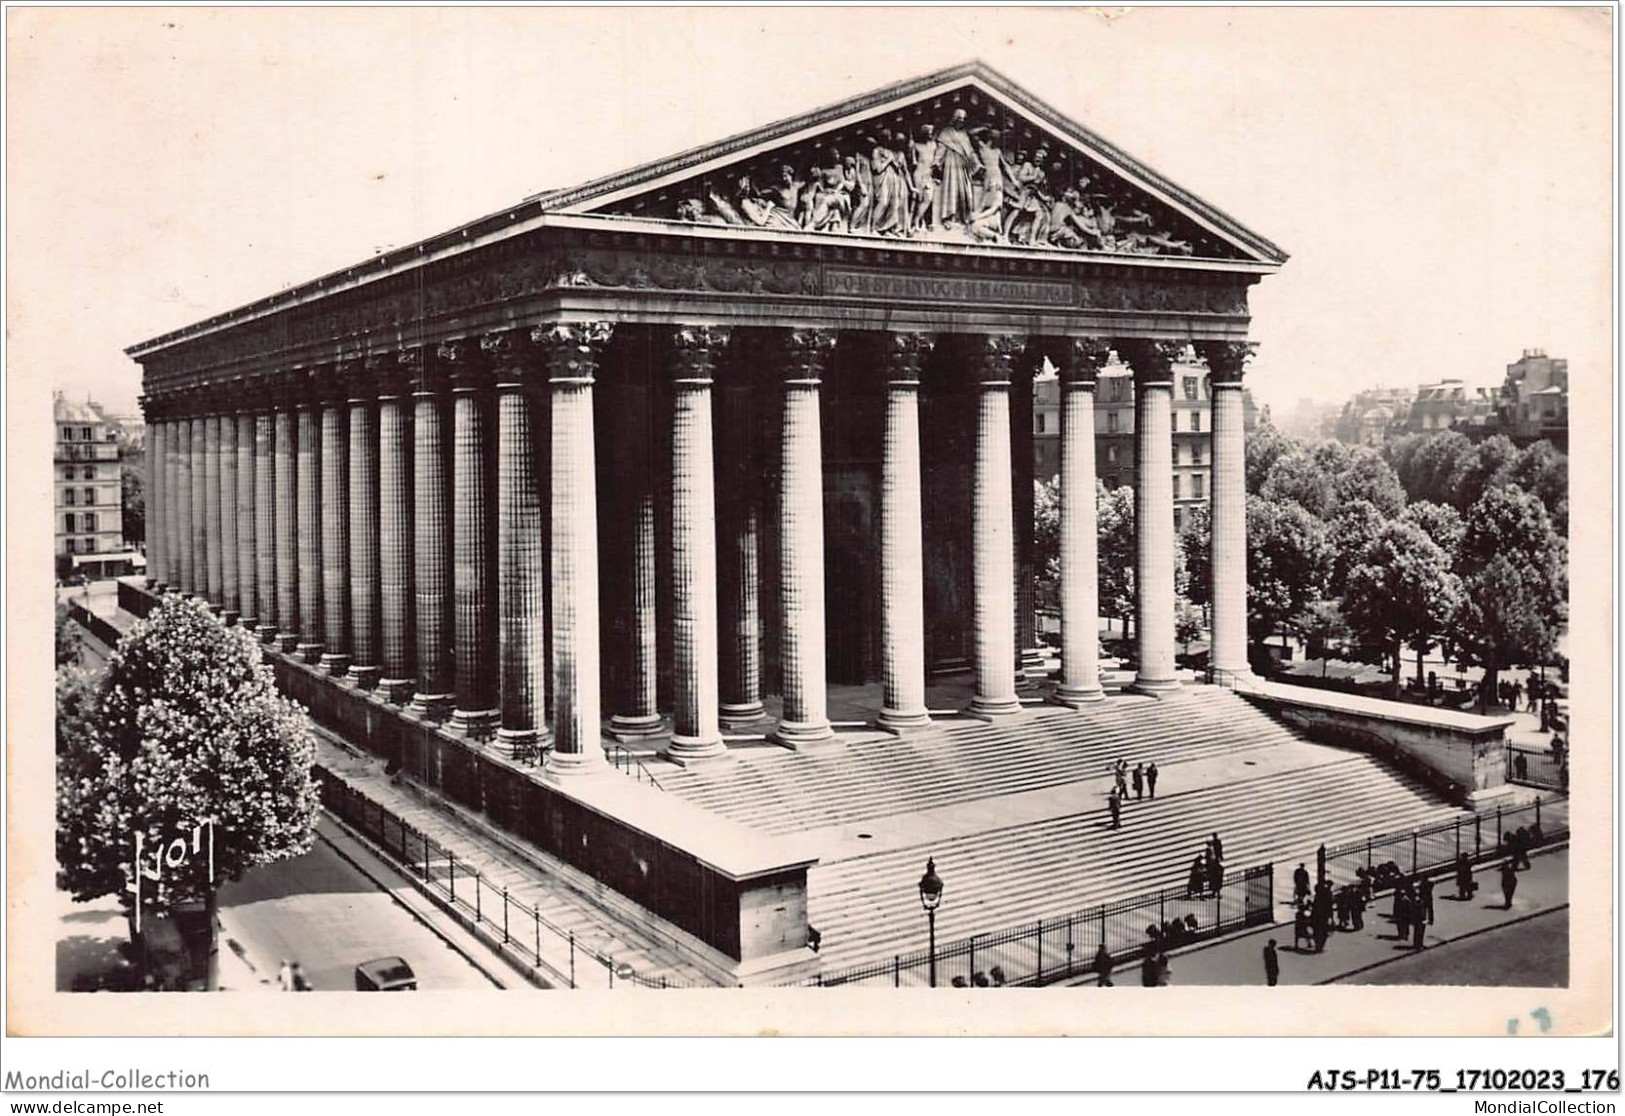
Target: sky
(1440, 177)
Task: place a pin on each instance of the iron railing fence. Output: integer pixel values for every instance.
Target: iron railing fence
(1436, 847)
(632, 764)
(1536, 767)
(1048, 950)
(517, 926)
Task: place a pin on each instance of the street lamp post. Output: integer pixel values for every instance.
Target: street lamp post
(930, 898)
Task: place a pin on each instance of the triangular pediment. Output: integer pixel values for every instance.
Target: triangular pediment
(960, 157)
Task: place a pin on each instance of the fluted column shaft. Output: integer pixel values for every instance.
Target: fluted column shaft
(396, 555)
(1153, 512)
(571, 353)
(247, 520)
(902, 542)
(1080, 548)
(309, 518)
(696, 729)
(266, 559)
(363, 531)
(739, 612)
(431, 546)
(805, 719)
(1228, 557)
(157, 567)
(287, 563)
(521, 546)
(473, 572)
(636, 702)
(335, 538)
(226, 458)
(993, 547)
(199, 477)
(212, 534)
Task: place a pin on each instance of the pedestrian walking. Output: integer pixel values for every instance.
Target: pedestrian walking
(1424, 899)
(1215, 875)
(1151, 780)
(1357, 903)
(1196, 884)
(1150, 969)
(1320, 862)
(1525, 841)
(1115, 805)
(1103, 967)
(1419, 928)
(1300, 884)
(1272, 964)
(1509, 881)
(1322, 914)
(1520, 766)
(1218, 848)
(1302, 931)
(1139, 781)
(1466, 886)
(1402, 912)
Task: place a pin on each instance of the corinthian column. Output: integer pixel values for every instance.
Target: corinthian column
(739, 534)
(521, 545)
(247, 518)
(398, 668)
(1152, 362)
(902, 546)
(285, 474)
(230, 593)
(631, 504)
(157, 567)
(993, 532)
(199, 477)
(1081, 360)
(309, 519)
(335, 498)
(805, 719)
(473, 574)
(696, 732)
(179, 479)
(363, 523)
(212, 533)
(1226, 363)
(431, 542)
(265, 516)
(571, 353)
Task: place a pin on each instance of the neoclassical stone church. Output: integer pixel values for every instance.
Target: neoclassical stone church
(669, 454)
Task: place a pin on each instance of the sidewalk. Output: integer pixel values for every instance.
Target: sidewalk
(1239, 960)
(528, 881)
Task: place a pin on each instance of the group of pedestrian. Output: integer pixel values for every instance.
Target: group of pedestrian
(1144, 778)
(1517, 843)
(1413, 909)
(1511, 694)
(291, 978)
(1207, 871)
(1312, 921)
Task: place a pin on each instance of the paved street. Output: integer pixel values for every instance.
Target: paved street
(1529, 954)
(324, 913)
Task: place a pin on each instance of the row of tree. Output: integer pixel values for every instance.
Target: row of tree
(1435, 540)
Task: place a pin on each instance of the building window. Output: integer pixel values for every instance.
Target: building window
(1176, 453)
(1196, 421)
(68, 545)
(68, 522)
(1190, 387)
(1179, 520)
(1196, 486)
(90, 496)
(71, 497)
(89, 472)
(89, 435)
(1176, 486)
(1040, 417)
(1111, 455)
(1196, 453)
(89, 518)
(90, 546)
(1111, 422)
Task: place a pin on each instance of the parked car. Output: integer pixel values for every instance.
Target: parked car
(385, 974)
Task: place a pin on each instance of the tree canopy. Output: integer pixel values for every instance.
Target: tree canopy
(1514, 571)
(1288, 562)
(1401, 592)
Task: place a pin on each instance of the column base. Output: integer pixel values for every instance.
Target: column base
(396, 690)
(1222, 676)
(249, 624)
(686, 751)
(990, 707)
(310, 653)
(1155, 687)
(432, 707)
(902, 721)
(805, 736)
(1077, 698)
(231, 619)
(286, 642)
(267, 634)
(475, 724)
(519, 744)
(217, 608)
(336, 665)
(575, 765)
(742, 715)
(641, 726)
(362, 677)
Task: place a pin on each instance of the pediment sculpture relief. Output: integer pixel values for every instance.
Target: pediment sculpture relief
(956, 170)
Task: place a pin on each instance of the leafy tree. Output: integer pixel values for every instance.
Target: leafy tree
(1187, 623)
(1299, 477)
(1366, 476)
(1402, 593)
(1514, 571)
(1544, 473)
(134, 509)
(1351, 533)
(1115, 534)
(1047, 537)
(1266, 446)
(1426, 464)
(1324, 627)
(1441, 523)
(183, 725)
(1288, 563)
(1196, 541)
(1489, 464)
(67, 636)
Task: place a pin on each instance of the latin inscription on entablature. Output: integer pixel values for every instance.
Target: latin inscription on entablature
(846, 283)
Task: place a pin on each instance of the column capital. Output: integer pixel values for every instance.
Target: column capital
(332, 382)
(385, 375)
(354, 380)
(299, 387)
(906, 354)
(419, 366)
(1226, 360)
(1080, 361)
(803, 354)
(1151, 361)
(695, 353)
(464, 362)
(571, 350)
(510, 354)
(993, 356)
